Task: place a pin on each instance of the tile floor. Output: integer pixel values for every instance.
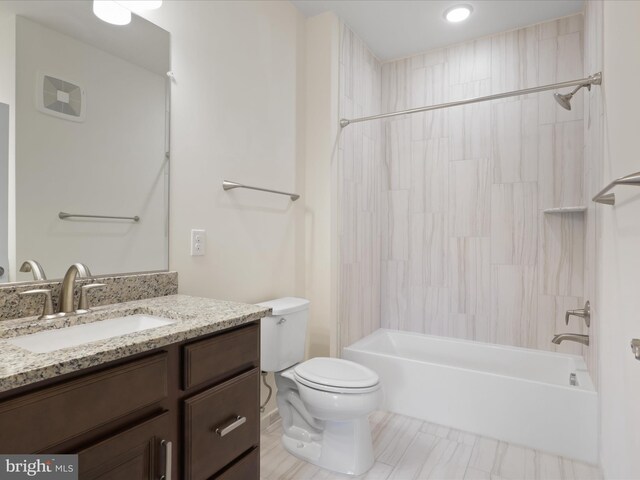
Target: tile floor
(410, 449)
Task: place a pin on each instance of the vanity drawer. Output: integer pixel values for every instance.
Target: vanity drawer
(222, 356)
(36, 421)
(221, 424)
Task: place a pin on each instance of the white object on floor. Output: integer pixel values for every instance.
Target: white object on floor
(323, 402)
(56, 339)
(513, 394)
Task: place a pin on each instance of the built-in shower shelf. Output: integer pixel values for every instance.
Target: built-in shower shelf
(579, 209)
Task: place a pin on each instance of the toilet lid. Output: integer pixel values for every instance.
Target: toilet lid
(335, 372)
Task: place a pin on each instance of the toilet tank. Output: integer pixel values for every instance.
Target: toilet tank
(283, 334)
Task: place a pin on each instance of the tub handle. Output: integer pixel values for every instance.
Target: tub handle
(580, 312)
(635, 348)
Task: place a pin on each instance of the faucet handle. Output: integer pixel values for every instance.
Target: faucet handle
(47, 309)
(83, 304)
(580, 312)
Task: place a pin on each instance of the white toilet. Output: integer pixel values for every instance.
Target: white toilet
(323, 402)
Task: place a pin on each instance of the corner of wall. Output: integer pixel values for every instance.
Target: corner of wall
(322, 90)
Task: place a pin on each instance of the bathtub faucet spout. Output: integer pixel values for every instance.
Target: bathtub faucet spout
(571, 337)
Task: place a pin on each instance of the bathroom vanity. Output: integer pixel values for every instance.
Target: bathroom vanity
(179, 401)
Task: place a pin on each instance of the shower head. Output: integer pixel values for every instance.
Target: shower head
(564, 99)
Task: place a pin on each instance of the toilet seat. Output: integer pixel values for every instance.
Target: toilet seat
(336, 375)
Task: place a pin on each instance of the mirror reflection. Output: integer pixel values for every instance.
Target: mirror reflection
(91, 163)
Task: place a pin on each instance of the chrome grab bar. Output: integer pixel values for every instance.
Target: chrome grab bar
(65, 215)
(610, 198)
(227, 185)
(238, 421)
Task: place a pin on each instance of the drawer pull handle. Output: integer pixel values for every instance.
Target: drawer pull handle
(167, 460)
(238, 421)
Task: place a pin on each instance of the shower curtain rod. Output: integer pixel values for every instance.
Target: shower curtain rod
(595, 79)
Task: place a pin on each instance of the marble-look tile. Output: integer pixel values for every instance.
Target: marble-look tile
(469, 61)
(469, 276)
(396, 95)
(484, 453)
(461, 189)
(514, 310)
(561, 270)
(359, 187)
(514, 223)
(474, 474)
(514, 142)
(561, 165)
(428, 249)
(514, 60)
(392, 436)
(470, 125)
(431, 87)
(412, 462)
(470, 198)
(562, 26)
(514, 463)
(560, 60)
(398, 225)
(428, 310)
(398, 156)
(394, 299)
(429, 176)
(425, 451)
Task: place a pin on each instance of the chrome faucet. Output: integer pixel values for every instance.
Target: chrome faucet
(65, 305)
(571, 337)
(34, 267)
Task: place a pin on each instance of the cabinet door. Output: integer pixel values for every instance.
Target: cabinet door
(139, 453)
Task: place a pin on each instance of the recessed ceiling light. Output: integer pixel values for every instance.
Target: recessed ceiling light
(118, 12)
(111, 12)
(458, 13)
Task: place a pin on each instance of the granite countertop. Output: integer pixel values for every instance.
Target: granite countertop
(195, 317)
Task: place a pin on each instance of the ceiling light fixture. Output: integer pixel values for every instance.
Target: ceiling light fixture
(111, 12)
(458, 13)
(119, 12)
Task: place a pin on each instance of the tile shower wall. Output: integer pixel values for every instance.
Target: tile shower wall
(466, 250)
(593, 175)
(359, 190)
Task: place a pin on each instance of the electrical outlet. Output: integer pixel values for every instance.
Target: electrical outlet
(198, 242)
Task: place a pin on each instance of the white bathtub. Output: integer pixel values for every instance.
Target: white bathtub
(513, 394)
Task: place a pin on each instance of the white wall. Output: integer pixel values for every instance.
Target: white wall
(322, 71)
(4, 195)
(237, 114)
(112, 163)
(7, 96)
(620, 302)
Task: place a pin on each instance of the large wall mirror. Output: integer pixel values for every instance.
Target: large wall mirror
(91, 141)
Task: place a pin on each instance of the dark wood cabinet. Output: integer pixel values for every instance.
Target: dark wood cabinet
(224, 420)
(138, 453)
(193, 406)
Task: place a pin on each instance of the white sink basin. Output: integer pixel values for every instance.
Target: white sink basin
(51, 340)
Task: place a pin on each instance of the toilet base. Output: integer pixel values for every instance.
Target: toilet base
(345, 447)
